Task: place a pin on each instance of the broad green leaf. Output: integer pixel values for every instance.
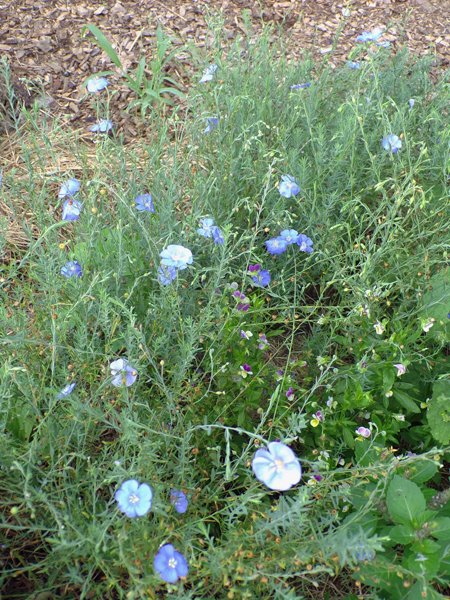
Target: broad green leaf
(406, 401)
(420, 471)
(440, 528)
(404, 500)
(421, 562)
(402, 534)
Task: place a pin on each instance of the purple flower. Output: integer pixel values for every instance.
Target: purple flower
(217, 235)
(363, 431)
(276, 245)
(263, 341)
(289, 235)
(72, 269)
(144, 202)
(170, 564)
(319, 416)
(277, 467)
(304, 243)
(288, 186)
(290, 393)
(211, 124)
(96, 84)
(254, 268)
(391, 143)
(67, 390)
(401, 369)
(353, 64)
(69, 188)
(246, 335)
(102, 126)
(122, 373)
(179, 500)
(261, 279)
(71, 210)
(166, 274)
(238, 294)
(300, 86)
(247, 368)
(134, 499)
(317, 477)
(242, 306)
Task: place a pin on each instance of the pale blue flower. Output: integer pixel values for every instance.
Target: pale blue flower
(206, 227)
(208, 73)
(369, 36)
(122, 373)
(170, 564)
(411, 103)
(304, 243)
(71, 210)
(289, 235)
(176, 256)
(166, 274)
(72, 269)
(211, 124)
(288, 186)
(217, 236)
(67, 390)
(277, 467)
(69, 188)
(353, 64)
(179, 500)
(391, 143)
(276, 245)
(262, 278)
(144, 202)
(102, 126)
(384, 44)
(134, 499)
(96, 84)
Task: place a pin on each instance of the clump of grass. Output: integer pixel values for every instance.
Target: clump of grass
(193, 420)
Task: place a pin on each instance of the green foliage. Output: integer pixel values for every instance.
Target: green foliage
(151, 91)
(374, 506)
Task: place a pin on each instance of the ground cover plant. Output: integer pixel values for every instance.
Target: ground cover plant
(224, 348)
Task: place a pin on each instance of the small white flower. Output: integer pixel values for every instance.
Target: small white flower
(428, 324)
(379, 328)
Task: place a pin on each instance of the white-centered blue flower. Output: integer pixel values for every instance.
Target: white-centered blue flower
(288, 186)
(96, 84)
(391, 143)
(134, 499)
(277, 467)
(102, 126)
(69, 188)
(208, 73)
(176, 256)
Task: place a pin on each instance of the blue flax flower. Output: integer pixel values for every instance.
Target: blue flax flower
(208, 73)
(179, 500)
(276, 245)
(211, 124)
(289, 235)
(300, 86)
(144, 202)
(206, 227)
(102, 126)
(71, 210)
(72, 269)
(166, 274)
(96, 84)
(369, 36)
(353, 64)
(134, 499)
(288, 186)
(176, 256)
(391, 143)
(217, 235)
(170, 564)
(66, 391)
(262, 278)
(277, 467)
(305, 243)
(69, 188)
(122, 373)
(411, 103)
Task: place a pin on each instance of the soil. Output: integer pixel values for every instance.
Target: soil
(49, 55)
